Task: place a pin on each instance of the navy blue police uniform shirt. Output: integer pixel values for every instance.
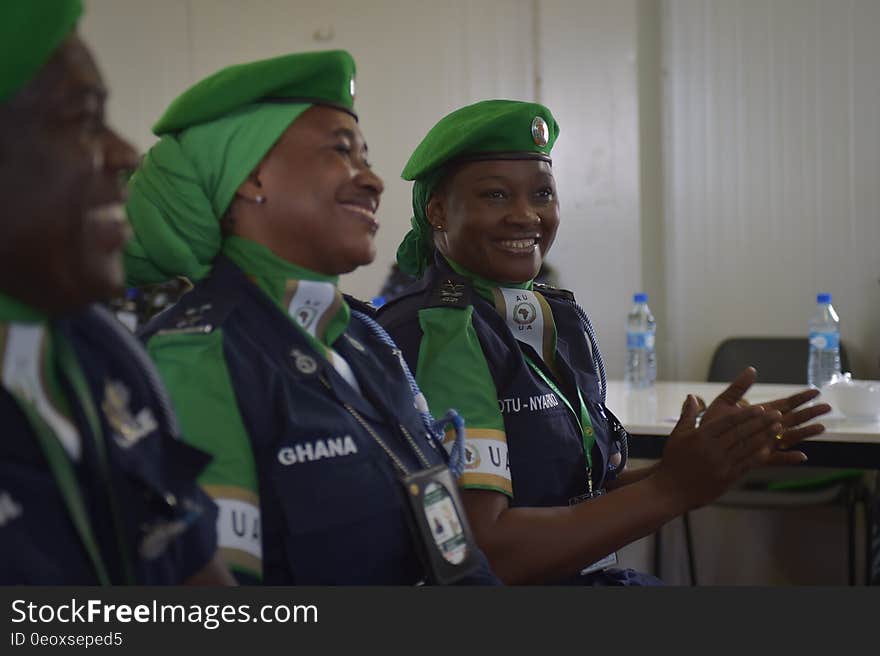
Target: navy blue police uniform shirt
(165, 523)
(325, 516)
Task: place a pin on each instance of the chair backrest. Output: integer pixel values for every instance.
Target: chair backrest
(780, 360)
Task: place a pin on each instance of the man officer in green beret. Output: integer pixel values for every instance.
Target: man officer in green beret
(95, 487)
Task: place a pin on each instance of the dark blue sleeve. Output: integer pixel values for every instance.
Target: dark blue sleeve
(198, 543)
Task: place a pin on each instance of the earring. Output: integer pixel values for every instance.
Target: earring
(438, 228)
(260, 200)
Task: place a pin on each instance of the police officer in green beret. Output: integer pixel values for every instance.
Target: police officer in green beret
(327, 468)
(521, 363)
(95, 487)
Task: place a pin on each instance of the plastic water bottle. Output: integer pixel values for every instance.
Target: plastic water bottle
(824, 360)
(641, 361)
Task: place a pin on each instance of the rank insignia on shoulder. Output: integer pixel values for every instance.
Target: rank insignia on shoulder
(556, 292)
(451, 291)
(128, 429)
(193, 320)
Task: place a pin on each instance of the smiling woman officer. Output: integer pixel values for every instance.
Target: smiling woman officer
(515, 359)
(94, 489)
(324, 471)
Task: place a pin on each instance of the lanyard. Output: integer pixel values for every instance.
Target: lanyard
(582, 419)
(62, 469)
(531, 322)
(372, 433)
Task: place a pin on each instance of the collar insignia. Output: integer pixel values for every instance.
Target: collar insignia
(128, 429)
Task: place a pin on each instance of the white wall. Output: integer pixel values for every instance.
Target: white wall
(652, 228)
(772, 154)
(588, 79)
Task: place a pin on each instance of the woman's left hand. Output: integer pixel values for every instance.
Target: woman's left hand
(792, 420)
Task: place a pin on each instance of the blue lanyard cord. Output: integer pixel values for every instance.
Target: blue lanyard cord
(456, 454)
(434, 429)
(621, 436)
(594, 347)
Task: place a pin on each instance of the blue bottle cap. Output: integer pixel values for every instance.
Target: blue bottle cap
(823, 298)
(641, 297)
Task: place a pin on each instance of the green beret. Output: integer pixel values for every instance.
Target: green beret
(30, 31)
(212, 137)
(325, 77)
(491, 129)
(487, 130)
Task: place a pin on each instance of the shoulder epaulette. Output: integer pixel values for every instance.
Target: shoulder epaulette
(450, 290)
(194, 314)
(417, 288)
(554, 292)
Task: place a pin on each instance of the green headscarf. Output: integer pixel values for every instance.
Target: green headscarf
(414, 252)
(491, 129)
(30, 31)
(184, 186)
(212, 137)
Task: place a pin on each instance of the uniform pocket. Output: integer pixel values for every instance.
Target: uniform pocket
(345, 521)
(319, 494)
(547, 462)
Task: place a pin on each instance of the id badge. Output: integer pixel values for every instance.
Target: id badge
(441, 527)
(610, 559)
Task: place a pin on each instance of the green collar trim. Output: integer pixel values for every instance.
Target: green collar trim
(12, 309)
(280, 280)
(269, 271)
(483, 286)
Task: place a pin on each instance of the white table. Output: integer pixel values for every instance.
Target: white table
(649, 415)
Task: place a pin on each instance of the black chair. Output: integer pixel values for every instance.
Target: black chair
(783, 360)
(779, 360)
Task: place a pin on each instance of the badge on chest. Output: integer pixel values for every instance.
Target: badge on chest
(439, 523)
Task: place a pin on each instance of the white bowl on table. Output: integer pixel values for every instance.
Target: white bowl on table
(858, 400)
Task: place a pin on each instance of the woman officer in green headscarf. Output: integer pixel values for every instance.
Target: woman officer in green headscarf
(521, 364)
(260, 191)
